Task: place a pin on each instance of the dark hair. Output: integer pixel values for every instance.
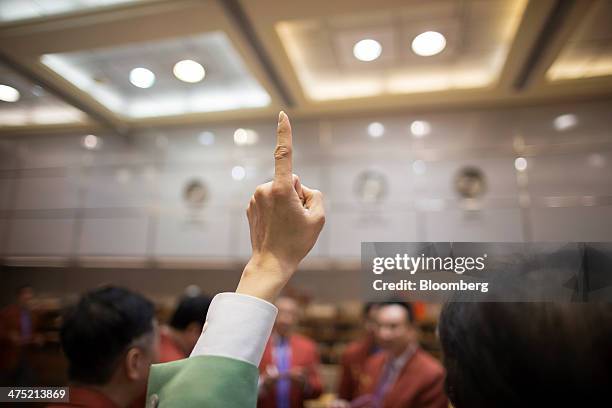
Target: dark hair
(526, 354)
(407, 307)
(367, 307)
(189, 310)
(99, 328)
(21, 288)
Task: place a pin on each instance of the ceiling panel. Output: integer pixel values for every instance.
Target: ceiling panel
(35, 106)
(478, 34)
(104, 74)
(588, 52)
(15, 10)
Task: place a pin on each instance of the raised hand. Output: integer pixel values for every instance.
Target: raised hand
(285, 219)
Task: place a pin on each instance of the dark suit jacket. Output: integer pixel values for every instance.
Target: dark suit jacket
(420, 384)
(303, 354)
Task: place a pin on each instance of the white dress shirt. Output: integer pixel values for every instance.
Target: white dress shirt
(237, 326)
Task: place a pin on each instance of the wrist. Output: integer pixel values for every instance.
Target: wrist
(264, 277)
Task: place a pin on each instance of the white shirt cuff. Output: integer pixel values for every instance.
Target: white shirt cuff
(237, 326)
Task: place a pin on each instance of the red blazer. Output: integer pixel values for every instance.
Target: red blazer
(10, 325)
(303, 354)
(85, 398)
(168, 349)
(352, 362)
(420, 384)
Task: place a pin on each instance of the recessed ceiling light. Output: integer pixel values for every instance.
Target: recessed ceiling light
(420, 128)
(367, 50)
(565, 122)
(376, 129)
(206, 138)
(238, 173)
(419, 167)
(428, 43)
(8, 94)
(245, 137)
(189, 71)
(142, 77)
(91, 142)
(520, 164)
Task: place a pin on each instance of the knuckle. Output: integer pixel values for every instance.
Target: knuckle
(259, 192)
(282, 152)
(278, 189)
(319, 221)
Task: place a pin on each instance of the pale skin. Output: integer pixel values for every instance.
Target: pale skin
(285, 219)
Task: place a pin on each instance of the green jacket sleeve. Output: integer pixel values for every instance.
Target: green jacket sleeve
(203, 382)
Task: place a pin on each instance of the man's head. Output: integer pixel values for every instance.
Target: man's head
(394, 329)
(110, 338)
(526, 354)
(189, 318)
(288, 315)
(25, 295)
(369, 317)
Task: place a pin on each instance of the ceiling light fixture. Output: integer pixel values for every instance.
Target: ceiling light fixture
(428, 43)
(238, 173)
(420, 128)
(245, 137)
(91, 142)
(189, 71)
(142, 77)
(367, 50)
(8, 94)
(520, 164)
(206, 138)
(565, 122)
(419, 167)
(376, 129)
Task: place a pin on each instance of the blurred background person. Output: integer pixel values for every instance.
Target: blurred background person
(18, 332)
(357, 353)
(177, 339)
(110, 339)
(402, 375)
(289, 369)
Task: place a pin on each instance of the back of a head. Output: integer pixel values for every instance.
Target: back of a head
(191, 309)
(527, 354)
(100, 328)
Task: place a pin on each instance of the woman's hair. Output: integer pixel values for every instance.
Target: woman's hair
(527, 354)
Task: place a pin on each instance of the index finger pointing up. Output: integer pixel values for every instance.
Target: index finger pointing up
(283, 164)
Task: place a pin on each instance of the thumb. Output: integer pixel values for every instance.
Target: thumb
(313, 201)
(298, 187)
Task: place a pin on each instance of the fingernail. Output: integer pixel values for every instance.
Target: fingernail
(281, 116)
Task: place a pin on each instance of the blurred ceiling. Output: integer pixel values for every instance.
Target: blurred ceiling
(112, 63)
